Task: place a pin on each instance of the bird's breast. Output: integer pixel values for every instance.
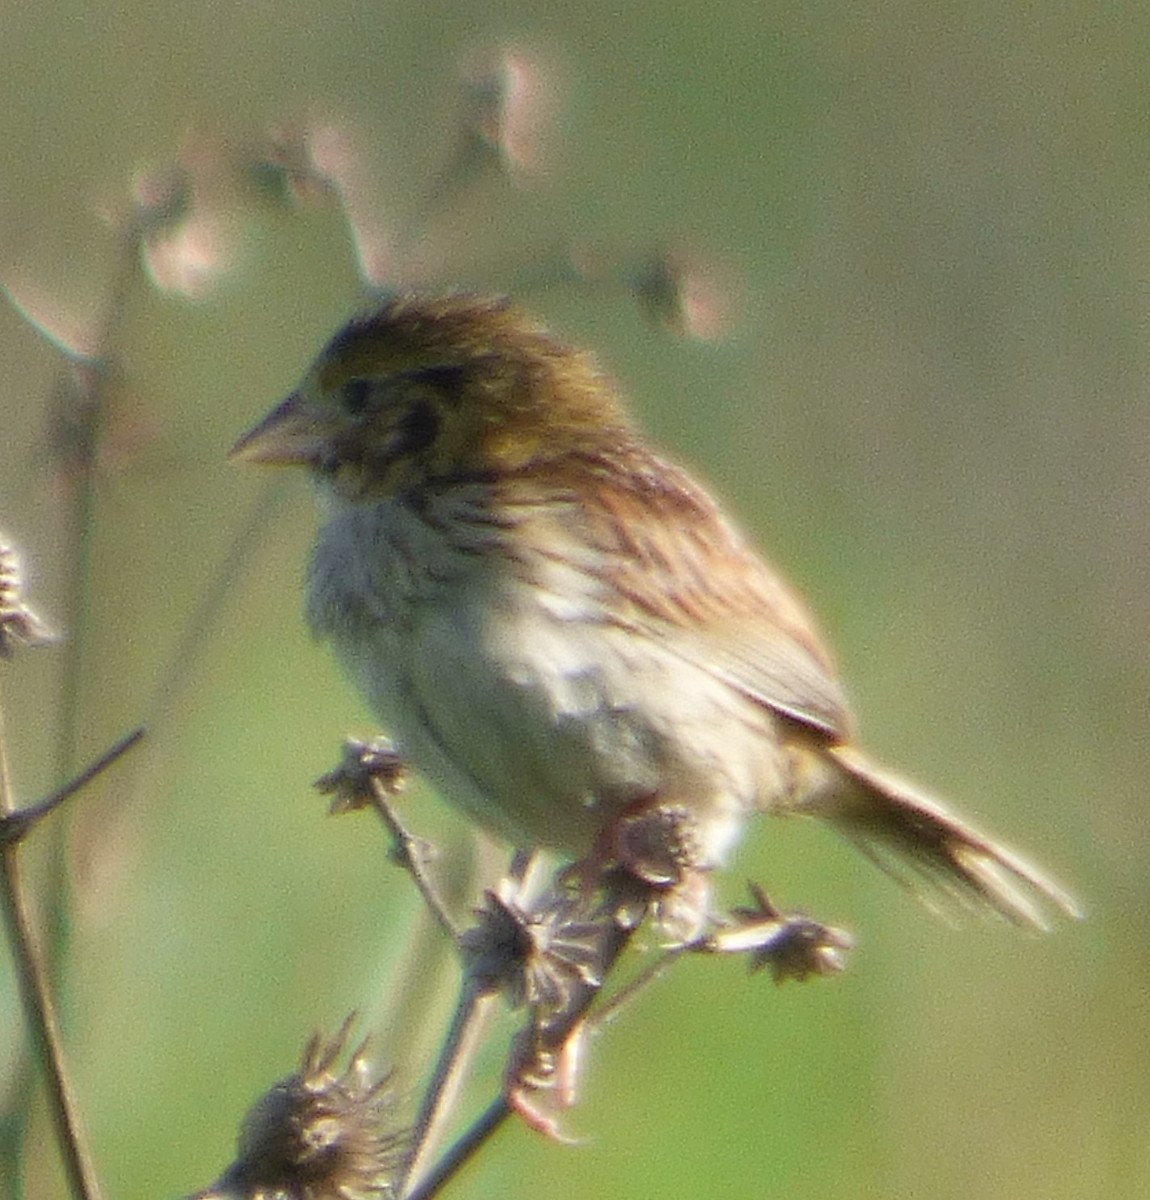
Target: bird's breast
(488, 650)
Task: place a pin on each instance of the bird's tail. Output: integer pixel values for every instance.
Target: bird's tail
(929, 850)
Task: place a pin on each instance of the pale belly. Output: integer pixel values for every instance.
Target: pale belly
(541, 720)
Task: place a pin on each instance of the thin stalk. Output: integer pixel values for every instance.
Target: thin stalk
(485, 1126)
(455, 1055)
(409, 852)
(653, 971)
(81, 518)
(15, 825)
(39, 1012)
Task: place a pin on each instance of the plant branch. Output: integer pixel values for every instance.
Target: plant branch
(410, 853)
(455, 1055)
(469, 1143)
(85, 424)
(39, 1012)
(16, 824)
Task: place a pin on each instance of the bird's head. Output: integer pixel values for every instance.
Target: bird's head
(433, 389)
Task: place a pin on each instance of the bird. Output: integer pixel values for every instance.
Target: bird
(564, 631)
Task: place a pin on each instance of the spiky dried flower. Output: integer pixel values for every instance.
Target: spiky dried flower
(538, 956)
(352, 782)
(319, 1134)
(791, 945)
(19, 625)
(552, 956)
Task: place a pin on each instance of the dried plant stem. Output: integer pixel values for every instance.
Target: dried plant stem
(455, 1055)
(39, 1013)
(82, 426)
(653, 971)
(81, 459)
(410, 853)
(461, 1151)
(32, 979)
(15, 825)
(84, 463)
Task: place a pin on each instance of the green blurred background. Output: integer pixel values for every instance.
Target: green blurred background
(933, 221)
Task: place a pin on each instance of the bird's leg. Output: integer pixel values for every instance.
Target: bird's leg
(578, 939)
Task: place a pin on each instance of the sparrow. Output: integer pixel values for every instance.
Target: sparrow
(564, 631)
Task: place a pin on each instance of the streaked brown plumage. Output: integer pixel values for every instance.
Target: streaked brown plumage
(562, 627)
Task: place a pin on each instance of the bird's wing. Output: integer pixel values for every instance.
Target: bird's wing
(678, 571)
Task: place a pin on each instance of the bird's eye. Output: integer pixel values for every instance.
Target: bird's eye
(419, 427)
(356, 394)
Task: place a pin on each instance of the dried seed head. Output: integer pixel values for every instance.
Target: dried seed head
(677, 291)
(545, 956)
(363, 765)
(318, 1134)
(312, 162)
(19, 625)
(160, 198)
(791, 945)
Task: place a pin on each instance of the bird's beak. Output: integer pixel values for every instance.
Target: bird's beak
(291, 434)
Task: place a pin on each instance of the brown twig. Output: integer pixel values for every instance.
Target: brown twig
(16, 824)
(411, 853)
(462, 1150)
(77, 432)
(32, 979)
(455, 1057)
(610, 1008)
(82, 460)
(367, 776)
